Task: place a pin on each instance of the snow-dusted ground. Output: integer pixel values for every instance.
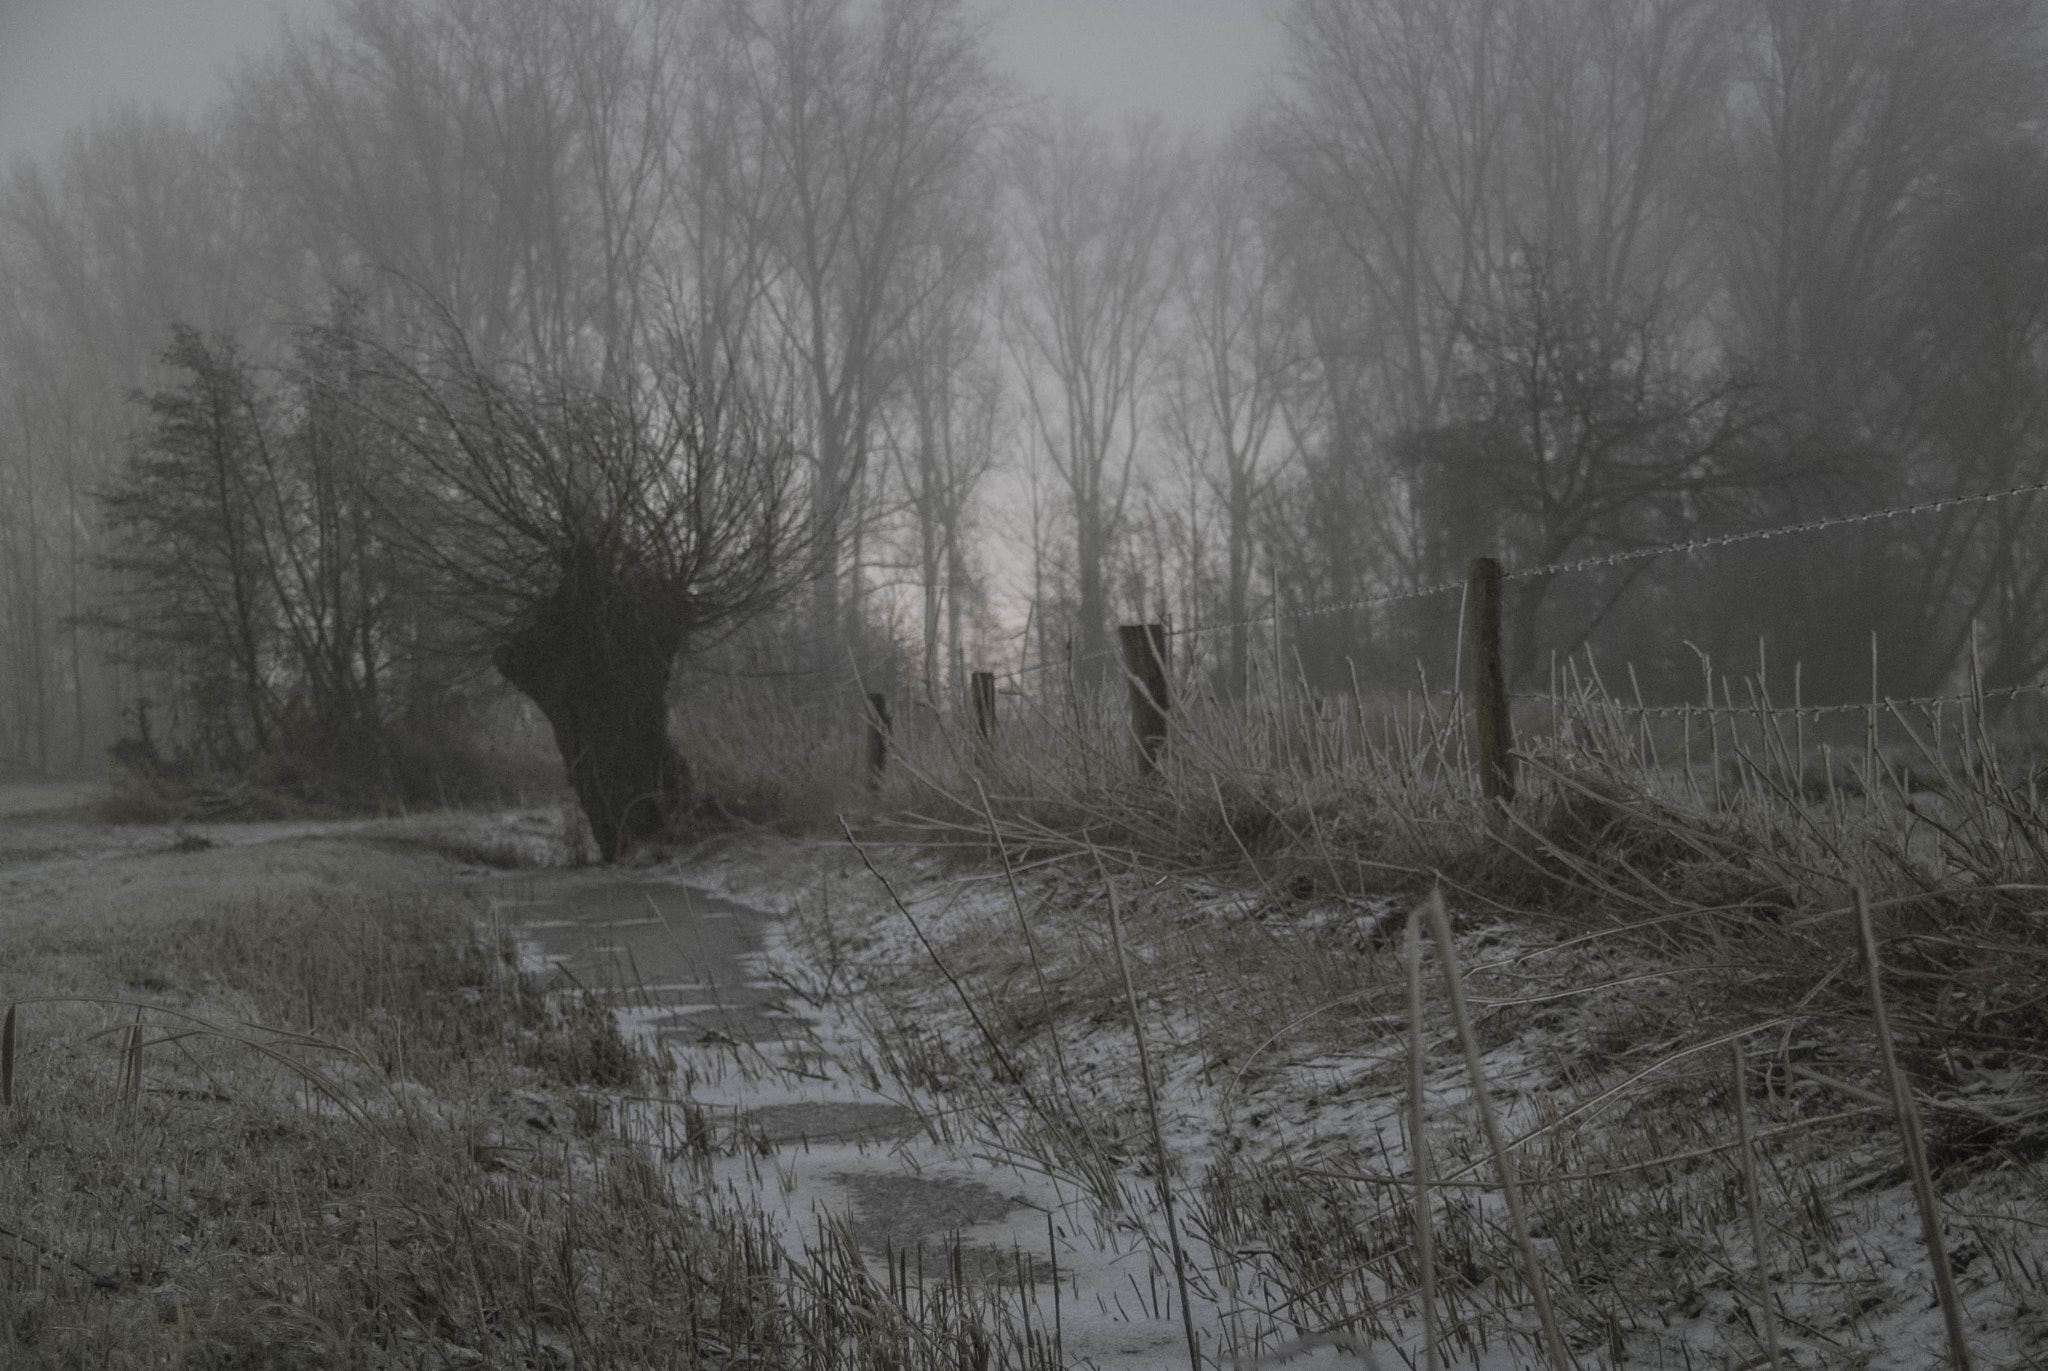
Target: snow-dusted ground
(1288, 1145)
(1015, 1131)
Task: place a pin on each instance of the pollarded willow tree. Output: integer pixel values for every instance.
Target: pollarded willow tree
(583, 535)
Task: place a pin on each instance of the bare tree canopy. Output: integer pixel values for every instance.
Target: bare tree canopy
(1094, 272)
(1532, 280)
(583, 535)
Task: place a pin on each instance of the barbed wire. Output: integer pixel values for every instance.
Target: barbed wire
(1311, 611)
(1803, 711)
(1782, 531)
(1069, 663)
(1577, 564)
(1617, 558)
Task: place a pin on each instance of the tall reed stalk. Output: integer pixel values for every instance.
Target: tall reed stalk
(1482, 1095)
(1915, 1145)
(1766, 1311)
(1180, 1265)
(1418, 1144)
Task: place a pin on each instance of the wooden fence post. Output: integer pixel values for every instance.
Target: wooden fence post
(982, 697)
(1486, 687)
(1144, 651)
(878, 739)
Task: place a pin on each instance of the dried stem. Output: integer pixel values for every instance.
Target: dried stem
(1180, 1268)
(1418, 1148)
(1553, 1338)
(1915, 1146)
(1767, 1311)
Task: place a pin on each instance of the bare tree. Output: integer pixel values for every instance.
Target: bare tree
(1093, 276)
(1431, 139)
(952, 403)
(511, 158)
(1393, 129)
(1611, 108)
(1976, 362)
(856, 128)
(1429, 146)
(1582, 432)
(1842, 111)
(1238, 355)
(1849, 132)
(584, 536)
(133, 223)
(27, 563)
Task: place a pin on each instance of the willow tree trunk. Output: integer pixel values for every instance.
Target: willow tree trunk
(598, 665)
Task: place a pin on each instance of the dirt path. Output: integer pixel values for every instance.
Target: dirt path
(49, 839)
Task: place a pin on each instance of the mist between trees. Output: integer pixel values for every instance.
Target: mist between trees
(840, 361)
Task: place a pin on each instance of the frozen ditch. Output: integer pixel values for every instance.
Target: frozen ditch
(761, 1114)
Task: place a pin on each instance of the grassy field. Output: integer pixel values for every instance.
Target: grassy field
(22, 799)
(287, 1104)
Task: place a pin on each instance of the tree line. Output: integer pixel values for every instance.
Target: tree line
(1539, 280)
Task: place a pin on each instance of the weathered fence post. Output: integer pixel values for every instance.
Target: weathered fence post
(1493, 731)
(982, 697)
(1144, 650)
(878, 739)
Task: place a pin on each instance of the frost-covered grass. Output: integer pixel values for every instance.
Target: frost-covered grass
(359, 1136)
(285, 1104)
(1658, 891)
(1278, 1030)
(23, 799)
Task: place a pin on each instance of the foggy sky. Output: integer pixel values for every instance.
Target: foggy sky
(1197, 62)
